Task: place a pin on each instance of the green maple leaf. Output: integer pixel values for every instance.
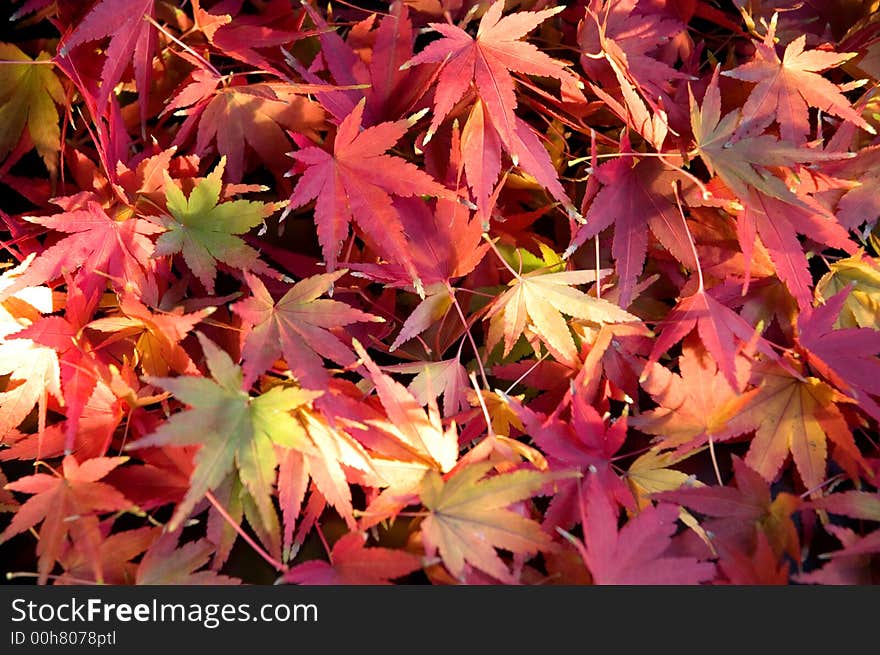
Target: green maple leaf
(28, 94)
(204, 230)
(236, 431)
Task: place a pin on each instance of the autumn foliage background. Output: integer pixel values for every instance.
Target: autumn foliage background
(440, 291)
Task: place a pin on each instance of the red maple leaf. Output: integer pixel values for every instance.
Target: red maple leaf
(67, 504)
(750, 167)
(356, 182)
(167, 564)
(722, 331)
(298, 327)
(96, 245)
(486, 61)
(846, 357)
(785, 87)
(132, 36)
(634, 555)
(630, 36)
(352, 564)
(737, 512)
(695, 404)
(584, 442)
(635, 195)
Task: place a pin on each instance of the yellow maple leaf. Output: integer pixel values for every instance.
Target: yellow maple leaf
(28, 94)
(536, 303)
(794, 415)
(862, 305)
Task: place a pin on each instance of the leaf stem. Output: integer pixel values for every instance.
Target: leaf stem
(715, 461)
(12, 575)
(489, 429)
(324, 541)
(690, 237)
(470, 337)
(195, 54)
(821, 485)
(500, 256)
(278, 566)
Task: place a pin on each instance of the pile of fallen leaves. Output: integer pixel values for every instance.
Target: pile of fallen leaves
(443, 291)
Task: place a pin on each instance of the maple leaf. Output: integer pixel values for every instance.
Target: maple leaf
(235, 431)
(635, 193)
(255, 115)
(776, 201)
(33, 370)
(132, 37)
(695, 404)
(406, 439)
(787, 86)
(652, 473)
(584, 442)
(352, 564)
(798, 415)
(96, 245)
(28, 95)
(778, 223)
(771, 209)
(204, 232)
(537, 301)
(626, 37)
(356, 182)
(860, 277)
(851, 565)
(468, 518)
(156, 335)
(634, 555)
(744, 163)
(78, 372)
(444, 243)
(115, 552)
(486, 61)
(847, 357)
(736, 512)
(66, 504)
(761, 567)
(719, 328)
(165, 563)
(297, 326)
(433, 378)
